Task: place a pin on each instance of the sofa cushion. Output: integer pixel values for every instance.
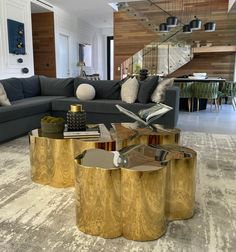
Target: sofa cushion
(146, 89)
(31, 86)
(13, 88)
(56, 86)
(160, 91)
(26, 107)
(129, 90)
(105, 89)
(97, 106)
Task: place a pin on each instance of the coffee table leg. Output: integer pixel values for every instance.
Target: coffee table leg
(143, 204)
(98, 210)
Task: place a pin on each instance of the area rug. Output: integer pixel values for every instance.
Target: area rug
(35, 218)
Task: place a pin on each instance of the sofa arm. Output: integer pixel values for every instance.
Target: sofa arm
(172, 100)
(172, 97)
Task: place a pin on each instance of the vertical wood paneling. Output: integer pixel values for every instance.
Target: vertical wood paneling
(44, 44)
(214, 64)
(129, 37)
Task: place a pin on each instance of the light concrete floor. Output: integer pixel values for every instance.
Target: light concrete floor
(222, 122)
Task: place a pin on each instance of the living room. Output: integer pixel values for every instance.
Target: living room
(45, 72)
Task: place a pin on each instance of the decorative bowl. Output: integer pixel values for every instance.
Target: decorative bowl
(52, 125)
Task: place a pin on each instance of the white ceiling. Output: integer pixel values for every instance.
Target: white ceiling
(95, 12)
(38, 9)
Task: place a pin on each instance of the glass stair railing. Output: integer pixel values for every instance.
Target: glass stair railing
(158, 59)
(164, 55)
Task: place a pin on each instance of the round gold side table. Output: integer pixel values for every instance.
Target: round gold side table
(52, 156)
(127, 134)
(154, 184)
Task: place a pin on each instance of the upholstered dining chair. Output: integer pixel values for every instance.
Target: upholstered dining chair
(186, 92)
(206, 90)
(229, 90)
(233, 95)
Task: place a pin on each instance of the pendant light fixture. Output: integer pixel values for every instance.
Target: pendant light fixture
(171, 21)
(195, 24)
(210, 26)
(186, 29)
(163, 27)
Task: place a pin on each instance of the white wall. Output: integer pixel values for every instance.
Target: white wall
(18, 11)
(77, 30)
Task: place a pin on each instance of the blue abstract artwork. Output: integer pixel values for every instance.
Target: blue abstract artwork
(16, 37)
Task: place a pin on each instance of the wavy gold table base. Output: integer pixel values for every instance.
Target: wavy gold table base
(132, 203)
(52, 160)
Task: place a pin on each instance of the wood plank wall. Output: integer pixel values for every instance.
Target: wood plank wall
(214, 64)
(44, 44)
(129, 37)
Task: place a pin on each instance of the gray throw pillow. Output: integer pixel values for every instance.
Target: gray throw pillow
(31, 86)
(13, 88)
(56, 86)
(146, 89)
(105, 89)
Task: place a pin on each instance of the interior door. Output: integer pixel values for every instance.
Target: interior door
(64, 62)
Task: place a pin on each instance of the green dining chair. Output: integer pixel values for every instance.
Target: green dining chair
(186, 92)
(207, 90)
(229, 90)
(233, 95)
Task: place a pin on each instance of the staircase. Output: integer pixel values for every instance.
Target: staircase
(163, 56)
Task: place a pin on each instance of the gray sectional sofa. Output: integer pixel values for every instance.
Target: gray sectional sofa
(34, 97)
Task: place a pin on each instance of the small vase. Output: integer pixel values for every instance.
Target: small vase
(76, 118)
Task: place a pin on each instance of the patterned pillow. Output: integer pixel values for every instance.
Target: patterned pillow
(129, 90)
(3, 97)
(160, 91)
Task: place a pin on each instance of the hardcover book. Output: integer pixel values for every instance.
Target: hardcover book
(147, 116)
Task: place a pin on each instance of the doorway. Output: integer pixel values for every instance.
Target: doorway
(43, 40)
(110, 58)
(64, 61)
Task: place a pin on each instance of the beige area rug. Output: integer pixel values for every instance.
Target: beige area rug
(35, 218)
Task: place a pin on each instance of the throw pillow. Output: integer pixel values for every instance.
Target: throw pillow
(13, 88)
(160, 91)
(146, 88)
(105, 89)
(31, 86)
(3, 97)
(129, 90)
(56, 86)
(85, 92)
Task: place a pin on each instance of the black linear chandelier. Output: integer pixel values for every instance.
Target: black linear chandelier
(194, 25)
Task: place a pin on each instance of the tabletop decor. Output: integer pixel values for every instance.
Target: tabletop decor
(50, 124)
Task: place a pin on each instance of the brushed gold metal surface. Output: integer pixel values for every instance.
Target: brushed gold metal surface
(98, 205)
(181, 186)
(126, 135)
(76, 108)
(52, 159)
(136, 202)
(143, 203)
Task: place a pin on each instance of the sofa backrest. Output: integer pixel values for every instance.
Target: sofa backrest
(31, 86)
(105, 89)
(56, 86)
(13, 88)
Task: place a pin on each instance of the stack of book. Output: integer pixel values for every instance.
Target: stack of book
(88, 133)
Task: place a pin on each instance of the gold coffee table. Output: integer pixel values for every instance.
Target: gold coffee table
(138, 200)
(52, 156)
(127, 134)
